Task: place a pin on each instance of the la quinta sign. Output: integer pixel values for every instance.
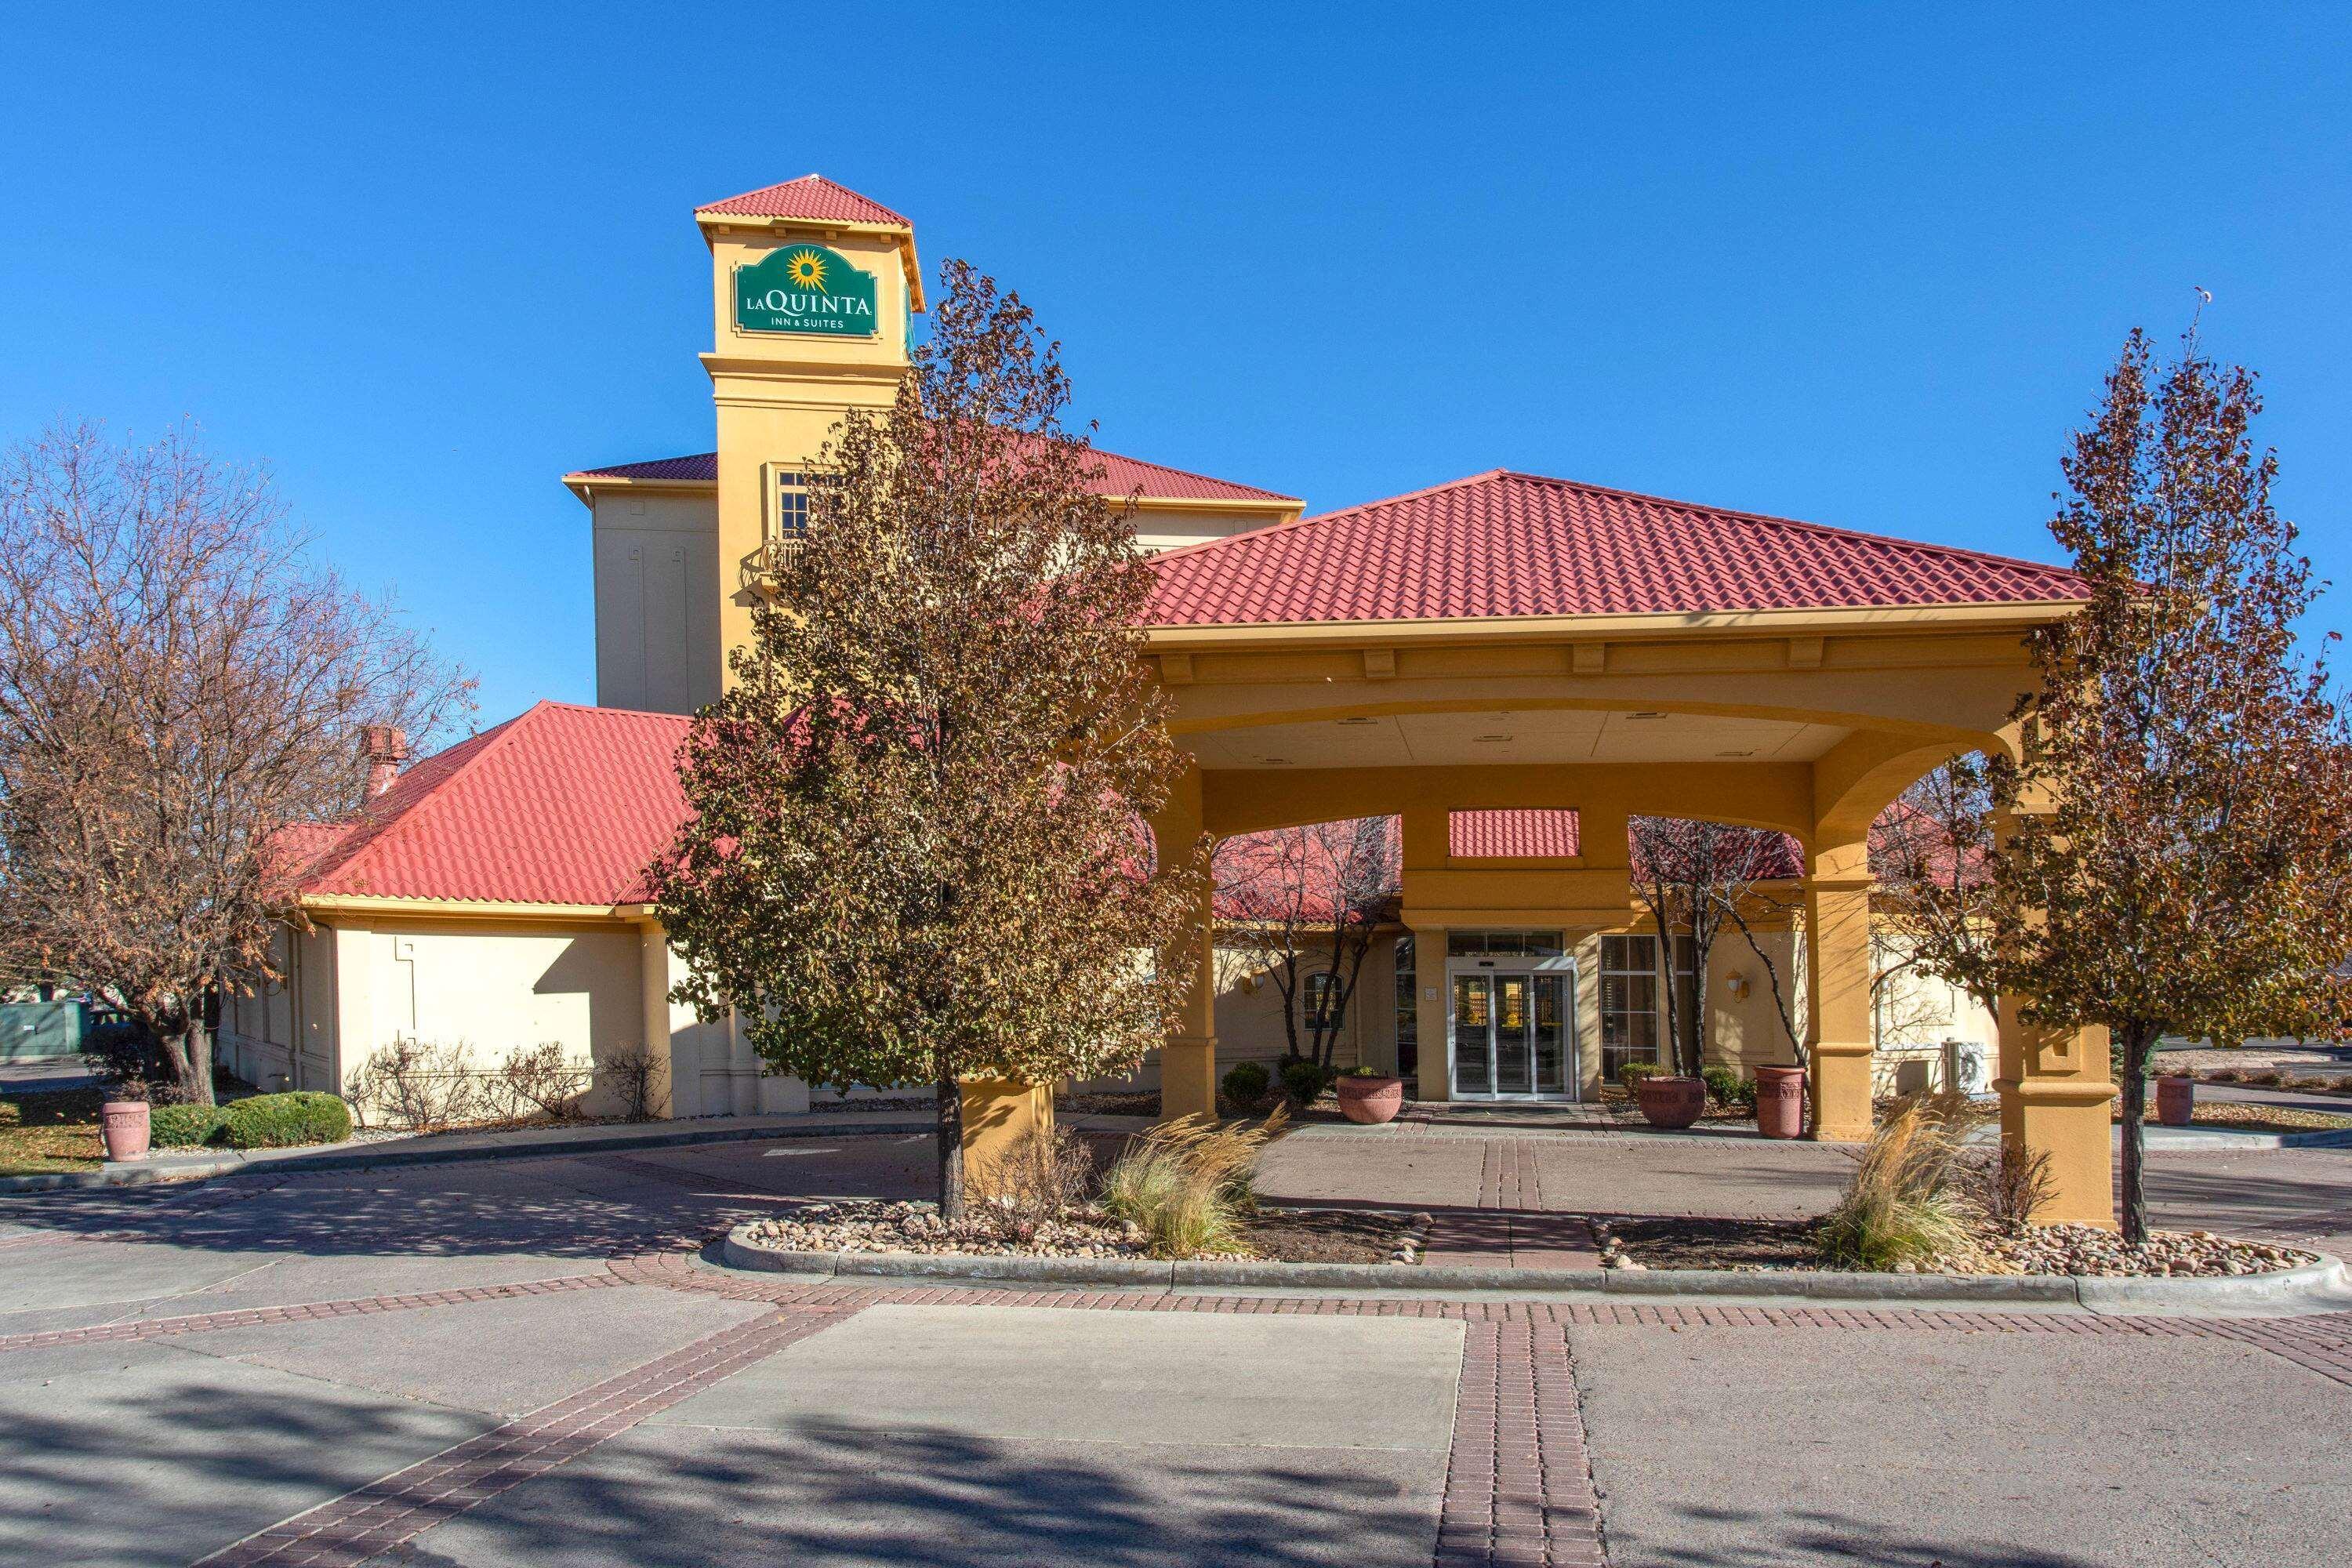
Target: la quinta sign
(806, 288)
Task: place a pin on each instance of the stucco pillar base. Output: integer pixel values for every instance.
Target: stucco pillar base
(998, 1112)
(1188, 1077)
(2071, 1120)
(1841, 1083)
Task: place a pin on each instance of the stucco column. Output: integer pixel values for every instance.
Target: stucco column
(1433, 1079)
(654, 983)
(2056, 1087)
(1188, 1057)
(1837, 988)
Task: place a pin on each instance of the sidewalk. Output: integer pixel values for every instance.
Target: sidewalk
(436, 1148)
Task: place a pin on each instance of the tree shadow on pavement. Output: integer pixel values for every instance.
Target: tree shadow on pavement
(825, 1491)
(1741, 1538)
(572, 1206)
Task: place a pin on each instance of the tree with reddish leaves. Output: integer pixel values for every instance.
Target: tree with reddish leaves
(179, 684)
(2177, 859)
(915, 852)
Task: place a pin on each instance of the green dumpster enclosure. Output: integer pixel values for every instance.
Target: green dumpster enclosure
(35, 1031)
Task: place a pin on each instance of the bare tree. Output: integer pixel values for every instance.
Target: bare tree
(1696, 878)
(179, 684)
(1304, 903)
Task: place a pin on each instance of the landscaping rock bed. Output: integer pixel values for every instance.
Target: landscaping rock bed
(1753, 1245)
(1278, 1236)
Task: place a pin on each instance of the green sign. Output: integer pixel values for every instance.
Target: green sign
(804, 289)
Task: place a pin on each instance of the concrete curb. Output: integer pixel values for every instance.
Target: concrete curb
(2320, 1286)
(379, 1156)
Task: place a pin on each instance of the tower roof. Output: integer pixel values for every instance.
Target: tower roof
(811, 196)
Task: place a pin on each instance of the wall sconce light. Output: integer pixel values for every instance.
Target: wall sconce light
(1737, 983)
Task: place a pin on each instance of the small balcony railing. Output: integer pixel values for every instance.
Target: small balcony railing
(760, 570)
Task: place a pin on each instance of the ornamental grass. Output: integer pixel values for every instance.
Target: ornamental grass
(1188, 1184)
(1908, 1200)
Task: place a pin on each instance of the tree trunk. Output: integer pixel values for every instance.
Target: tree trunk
(2134, 1193)
(948, 1128)
(189, 1051)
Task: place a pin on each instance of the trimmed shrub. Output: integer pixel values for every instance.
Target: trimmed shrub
(284, 1120)
(1726, 1087)
(1303, 1080)
(184, 1126)
(1247, 1082)
(1631, 1075)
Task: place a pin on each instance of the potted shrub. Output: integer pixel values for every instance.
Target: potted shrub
(2176, 1098)
(1666, 1099)
(1371, 1096)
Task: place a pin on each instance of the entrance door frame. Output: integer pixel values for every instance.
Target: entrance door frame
(1572, 1037)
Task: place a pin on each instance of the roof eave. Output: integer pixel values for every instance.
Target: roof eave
(2020, 614)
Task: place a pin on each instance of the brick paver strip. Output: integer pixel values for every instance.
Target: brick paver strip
(249, 1317)
(399, 1507)
(2322, 1343)
(1518, 1482)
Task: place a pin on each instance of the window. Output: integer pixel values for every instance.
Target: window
(1503, 944)
(788, 518)
(1629, 1002)
(1632, 1005)
(1320, 1004)
(1408, 1009)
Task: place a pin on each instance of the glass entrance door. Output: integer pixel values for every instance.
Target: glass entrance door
(1512, 1034)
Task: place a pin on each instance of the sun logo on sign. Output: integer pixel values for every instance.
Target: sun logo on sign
(806, 269)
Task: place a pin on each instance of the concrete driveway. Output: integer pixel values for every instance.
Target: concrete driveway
(513, 1363)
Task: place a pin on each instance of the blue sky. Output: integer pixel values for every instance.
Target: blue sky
(1852, 265)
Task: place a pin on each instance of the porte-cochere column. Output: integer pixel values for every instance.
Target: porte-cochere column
(1188, 1057)
(2055, 1088)
(1837, 988)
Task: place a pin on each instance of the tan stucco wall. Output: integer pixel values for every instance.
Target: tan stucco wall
(658, 590)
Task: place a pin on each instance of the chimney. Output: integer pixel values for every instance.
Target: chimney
(384, 747)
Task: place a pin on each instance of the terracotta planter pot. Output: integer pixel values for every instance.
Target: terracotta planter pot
(123, 1123)
(1370, 1101)
(1781, 1101)
(2176, 1099)
(1670, 1101)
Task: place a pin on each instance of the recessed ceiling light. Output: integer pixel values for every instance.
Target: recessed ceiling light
(1651, 714)
(1491, 740)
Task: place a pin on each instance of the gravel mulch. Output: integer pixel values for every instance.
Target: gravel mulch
(1275, 1236)
(2249, 1116)
(1758, 1244)
(2082, 1249)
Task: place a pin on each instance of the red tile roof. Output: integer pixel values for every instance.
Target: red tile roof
(1121, 476)
(811, 197)
(1511, 835)
(1503, 544)
(562, 805)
